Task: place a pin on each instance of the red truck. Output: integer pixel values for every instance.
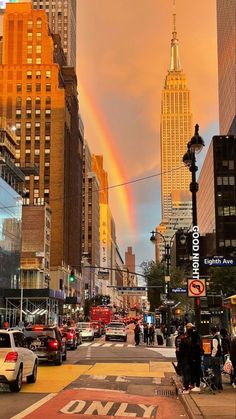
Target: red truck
(101, 314)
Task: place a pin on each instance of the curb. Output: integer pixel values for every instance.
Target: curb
(188, 403)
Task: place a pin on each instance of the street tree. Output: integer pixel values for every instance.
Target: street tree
(223, 280)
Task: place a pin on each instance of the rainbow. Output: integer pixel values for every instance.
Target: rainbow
(122, 195)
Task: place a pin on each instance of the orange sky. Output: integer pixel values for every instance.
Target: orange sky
(123, 57)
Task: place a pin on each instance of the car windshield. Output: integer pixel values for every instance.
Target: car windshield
(5, 341)
(40, 332)
(119, 325)
(83, 326)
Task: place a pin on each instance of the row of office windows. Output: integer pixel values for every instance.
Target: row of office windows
(29, 86)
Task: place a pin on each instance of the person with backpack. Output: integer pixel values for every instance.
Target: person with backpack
(216, 357)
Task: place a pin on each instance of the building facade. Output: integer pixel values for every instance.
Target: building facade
(39, 97)
(62, 20)
(216, 203)
(176, 129)
(226, 37)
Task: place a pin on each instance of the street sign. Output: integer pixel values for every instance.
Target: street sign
(196, 288)
(103, 275)
(179, 290)
(169, 302)
(220, 261)
(141, 291)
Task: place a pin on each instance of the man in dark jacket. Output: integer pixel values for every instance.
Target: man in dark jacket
(216, 357)
(185, 357)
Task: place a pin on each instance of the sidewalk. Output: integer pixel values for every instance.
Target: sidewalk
(210, 406)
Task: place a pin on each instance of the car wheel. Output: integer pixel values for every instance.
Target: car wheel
(58, 360)
(64, 356)
(33, 377)
(15, 386)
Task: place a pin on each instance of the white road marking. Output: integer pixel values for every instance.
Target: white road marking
(88, 353)
(121, 380)
(96, 344)
(106, 345)
(119, 345)
(97, 377)
(166, 352)
(131, 346)
(34, 406)
(86, 344)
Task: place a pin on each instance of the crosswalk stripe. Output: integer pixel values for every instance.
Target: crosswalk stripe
(96, 344)
(119, 345)
(86, 343)
(131, 346)
(106, 345)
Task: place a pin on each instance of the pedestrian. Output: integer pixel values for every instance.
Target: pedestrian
(216, 357)
(185, 358)
(195, 362)
(137, 334)
(233, 359)
(180, 336)
(151, 334)
(141, 332)
(145, 333)
(225, 342)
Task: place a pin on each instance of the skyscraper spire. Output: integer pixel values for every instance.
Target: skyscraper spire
(175, 60)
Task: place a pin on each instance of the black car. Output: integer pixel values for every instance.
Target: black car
(47, 343)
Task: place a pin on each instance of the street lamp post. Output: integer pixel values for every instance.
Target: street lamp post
(195, 145)
(167, 279)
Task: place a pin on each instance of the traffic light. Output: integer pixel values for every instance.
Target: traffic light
(72, 276)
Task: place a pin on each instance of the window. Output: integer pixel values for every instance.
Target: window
(29, 36)
(30, 24)
(19, 339)
(38, 60)
(39, 24)
(48, 87)
(37, 100)
(38, 87)
(29, 87)
(36, 152)
(48, 100)
(38, 49)
(29, 61)
(38, 36)
(48, 74)
(231, 180)
(18, 87)
(48, 112)
(29, 74)
(37, 112)
(38, 74)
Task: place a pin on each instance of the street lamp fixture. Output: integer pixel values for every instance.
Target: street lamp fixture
(194, 146)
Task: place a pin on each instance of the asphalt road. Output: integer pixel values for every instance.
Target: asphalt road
(135, 381)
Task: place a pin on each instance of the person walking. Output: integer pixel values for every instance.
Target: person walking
(151, 334)
(216, 357)
(145, 333)
(225, 343)
(233, 359)
(185, 357)
(137, 334)
(195, 362)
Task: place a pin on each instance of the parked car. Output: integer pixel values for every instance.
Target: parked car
(72, 336)
(17, 362)
(47, 343)
(116, 331)
(97, 326)
(86, 330)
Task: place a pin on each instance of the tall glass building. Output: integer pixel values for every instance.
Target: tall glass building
(226, 35)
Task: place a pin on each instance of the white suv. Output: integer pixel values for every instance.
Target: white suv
(17, 362)
(116, 331)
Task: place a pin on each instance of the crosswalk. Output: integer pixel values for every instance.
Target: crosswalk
(107, 345)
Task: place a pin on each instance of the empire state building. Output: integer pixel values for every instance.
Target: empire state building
(176, 129)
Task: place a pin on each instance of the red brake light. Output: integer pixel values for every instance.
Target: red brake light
(38, 328)
(53, 344)
(11, 357)
(70, 335)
